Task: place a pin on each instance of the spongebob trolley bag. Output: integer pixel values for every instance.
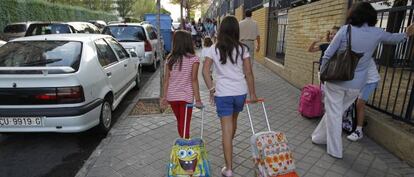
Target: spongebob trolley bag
(271, 154)
(189, 156)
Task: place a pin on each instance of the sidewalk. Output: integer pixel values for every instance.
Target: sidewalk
(139, 146)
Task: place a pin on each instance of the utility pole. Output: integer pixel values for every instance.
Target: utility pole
(159, 51)
(181, 15)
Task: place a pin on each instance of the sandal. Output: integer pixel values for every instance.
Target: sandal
(226, 173)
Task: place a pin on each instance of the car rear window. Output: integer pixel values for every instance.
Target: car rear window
(41, 29)
(124, 33)
(15, 28)
(41, 53)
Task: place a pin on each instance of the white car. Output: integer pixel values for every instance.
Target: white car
(15, 30)
(63, 82)
(139, 37)
(2, 43)
(151, 46)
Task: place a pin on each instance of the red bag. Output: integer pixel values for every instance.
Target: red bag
(310, 104)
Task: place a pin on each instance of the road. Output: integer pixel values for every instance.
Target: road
(52, 154)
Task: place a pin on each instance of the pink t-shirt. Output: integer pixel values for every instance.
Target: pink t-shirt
(180, 87)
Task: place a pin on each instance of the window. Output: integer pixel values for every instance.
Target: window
(124, 33)
(282, 21)
(41, 29)
(120, 51)
(276, 47)
(41, 53)
(21, 28)
(105, 54)
(151, 33)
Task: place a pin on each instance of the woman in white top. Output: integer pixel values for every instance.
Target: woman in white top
(234, 78)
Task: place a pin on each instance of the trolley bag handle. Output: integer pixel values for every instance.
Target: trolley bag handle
(313, 70)
(191, 105)
(313, 73)
(260, 100)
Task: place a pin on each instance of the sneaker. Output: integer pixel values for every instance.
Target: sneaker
(355, 136)
(226, 173)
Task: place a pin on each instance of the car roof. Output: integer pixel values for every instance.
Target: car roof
(22, 23)
(56, 22)
(82, 37)
(146, 24)
(127, 24)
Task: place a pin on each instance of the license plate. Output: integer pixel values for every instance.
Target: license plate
(20, 121)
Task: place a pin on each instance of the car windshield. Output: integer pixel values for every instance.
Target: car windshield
(41, 29)
(41, 53)
(126, 33)
(20, 28)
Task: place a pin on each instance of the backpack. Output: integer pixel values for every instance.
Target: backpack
(349, 120)
(310, 104)
(189, 156)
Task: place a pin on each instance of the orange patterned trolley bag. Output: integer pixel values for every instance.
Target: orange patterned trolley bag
(271, 154)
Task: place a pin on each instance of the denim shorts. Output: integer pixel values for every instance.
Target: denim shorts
(367, 91)
(227, 105)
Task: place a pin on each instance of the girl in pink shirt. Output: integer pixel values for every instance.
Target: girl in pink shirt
(181, 80)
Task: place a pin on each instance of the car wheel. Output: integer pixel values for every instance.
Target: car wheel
(105, 120)
(138, 78)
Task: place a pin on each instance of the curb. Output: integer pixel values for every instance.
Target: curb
(88, 164)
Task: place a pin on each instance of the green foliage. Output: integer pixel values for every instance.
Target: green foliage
(37, 10)
(102, 5)
(125, 7)
(142, 7)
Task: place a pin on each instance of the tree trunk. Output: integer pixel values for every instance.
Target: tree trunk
(395, 20)
(188, 13)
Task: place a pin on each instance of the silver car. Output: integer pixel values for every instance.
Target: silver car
(142, 38)
(15, 30)
(63, 83)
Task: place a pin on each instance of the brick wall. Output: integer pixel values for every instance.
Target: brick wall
(260, 16)
(305, 23)
(239, 13)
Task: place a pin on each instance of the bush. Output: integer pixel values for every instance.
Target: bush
(36, 10)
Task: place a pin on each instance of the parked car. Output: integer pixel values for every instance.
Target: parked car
(134, 36)
(151, 45)
(2, 43)
(63, 83)
(15, 30)
(43, 28)
(98, 23)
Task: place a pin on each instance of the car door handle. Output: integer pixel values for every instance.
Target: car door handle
(125, 65)
(108, 74)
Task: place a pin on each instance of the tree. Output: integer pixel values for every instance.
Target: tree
(125, 7)
(190, 4)
(101, 5)
(142, 7)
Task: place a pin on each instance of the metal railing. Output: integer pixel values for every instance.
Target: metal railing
(394, 94)
(277, 28)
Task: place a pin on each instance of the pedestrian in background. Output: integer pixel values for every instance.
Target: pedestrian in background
(339, 95)
(206, 47)
(369, 88)
(234, 78)
(181, 80)
(322, 46)
(249, 32)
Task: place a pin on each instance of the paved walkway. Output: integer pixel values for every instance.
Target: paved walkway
(139, 146)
